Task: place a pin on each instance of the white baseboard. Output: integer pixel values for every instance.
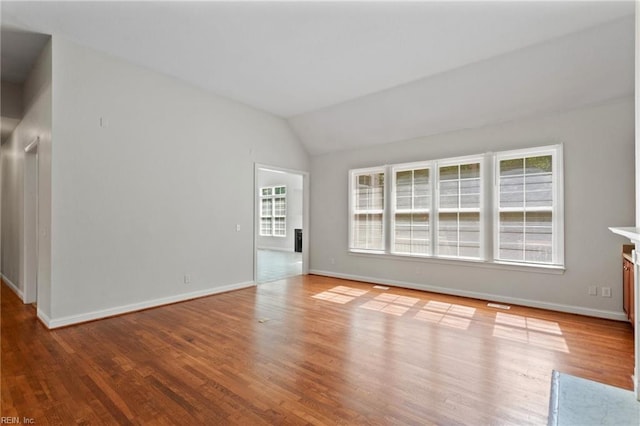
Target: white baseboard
(119, 310)
(13, 287)
(613, 315)
(44, 318)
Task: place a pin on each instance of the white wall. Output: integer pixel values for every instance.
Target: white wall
(36, 122)
(12, 177)
(10, 108)
(157, 191)
(637, 90)
(11, 99)
(293, 182)
(599, 192)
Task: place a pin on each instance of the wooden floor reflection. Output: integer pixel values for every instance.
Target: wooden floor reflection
(306, 350)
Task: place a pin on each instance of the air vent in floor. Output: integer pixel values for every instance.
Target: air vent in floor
(498, 306)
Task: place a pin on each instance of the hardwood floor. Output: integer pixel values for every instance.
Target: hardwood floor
(308, 350)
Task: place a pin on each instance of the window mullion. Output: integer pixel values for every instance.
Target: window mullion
(458, 212)
(435, 206)
(273, 213)
(387, 220)
(486, 212)
(413, 205)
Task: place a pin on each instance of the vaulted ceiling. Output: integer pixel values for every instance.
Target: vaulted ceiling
(351, 74)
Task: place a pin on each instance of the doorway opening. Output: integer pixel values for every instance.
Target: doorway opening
(281, 218)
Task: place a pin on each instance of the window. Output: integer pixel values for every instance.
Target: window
(457, 199)
(443, 208)
(273, 211)
(367, 210)
(459, 202)
(412, 210)
(529, 206)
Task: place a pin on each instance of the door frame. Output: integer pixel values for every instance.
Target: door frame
(256, 214)
(31, 221)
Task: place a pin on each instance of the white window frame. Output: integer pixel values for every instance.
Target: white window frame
(272, 196)
(429, 165)
(353, 174)
(489, 209)
(557, 209)
(460, 161)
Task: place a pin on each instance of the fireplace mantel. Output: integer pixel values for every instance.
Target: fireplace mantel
(633, 234)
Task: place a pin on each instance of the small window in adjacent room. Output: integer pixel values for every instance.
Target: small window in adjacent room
(528, 211)
(273, 211)
(367, 210)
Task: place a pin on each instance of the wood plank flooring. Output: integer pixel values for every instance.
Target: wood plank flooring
(306, 350)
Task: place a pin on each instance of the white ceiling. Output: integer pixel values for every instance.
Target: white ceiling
(329, 66)
(585, 68)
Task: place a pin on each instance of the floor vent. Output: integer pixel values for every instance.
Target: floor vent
(381, 287)
(498, 306)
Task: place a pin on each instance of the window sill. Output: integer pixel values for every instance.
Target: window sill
(508, 266)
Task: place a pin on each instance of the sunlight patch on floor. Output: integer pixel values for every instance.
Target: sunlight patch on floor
(333, 297)
(349, 291)
(387, 308)
(340, 294)
(398, 300)
(390, 303)
(447, 314)
(533, 331)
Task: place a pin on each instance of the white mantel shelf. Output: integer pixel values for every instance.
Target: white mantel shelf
(630, 232)
(633, 234)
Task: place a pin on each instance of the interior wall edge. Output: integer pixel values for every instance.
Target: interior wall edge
(65, 321)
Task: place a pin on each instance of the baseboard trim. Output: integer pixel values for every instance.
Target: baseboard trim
(125, 309)
(44, 319)
(13, 287)
(618, 316)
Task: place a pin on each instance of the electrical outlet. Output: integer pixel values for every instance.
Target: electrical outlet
(238, 228)
(333, 261)
(593, 290)
(606, 291)
(187, 279)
